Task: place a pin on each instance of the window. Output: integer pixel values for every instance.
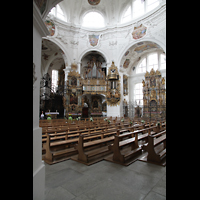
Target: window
(151, 4)
(156, 61)
(153, 61)
(94, 20)
(142, 66)
(127, 15)
(138, 8)
(60, 13)
(54, 83)
(138, 94)
(57, 12)
(162, 61)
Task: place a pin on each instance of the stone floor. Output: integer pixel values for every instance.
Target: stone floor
(105, 180)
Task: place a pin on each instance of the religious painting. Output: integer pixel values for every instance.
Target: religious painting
(41, 4)
(50, 26)
(152, 81)
(126, 63)
(93, 39)
(74, 81)
(139, 32)
(94, 2)
(95, 104)
(73, 98)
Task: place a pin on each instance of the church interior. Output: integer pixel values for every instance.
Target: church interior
(99, 99)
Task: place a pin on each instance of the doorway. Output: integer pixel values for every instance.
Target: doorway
(85, 112)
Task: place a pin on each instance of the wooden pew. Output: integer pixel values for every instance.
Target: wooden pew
(57, 151)
(156, 149)
(92, 151)
(126, 156)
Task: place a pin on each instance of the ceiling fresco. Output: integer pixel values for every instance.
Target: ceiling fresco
(51, 53)
(134, 53)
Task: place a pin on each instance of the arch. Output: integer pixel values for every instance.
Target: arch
(135, 42)
(87, 51)
(49, 6)
(65, 55)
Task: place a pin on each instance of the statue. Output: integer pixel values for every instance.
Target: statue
(163, 81)
(143, 82)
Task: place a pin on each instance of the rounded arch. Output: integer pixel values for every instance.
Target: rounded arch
(49, 6)
(88, 51)
(135, 42)
(65, 53)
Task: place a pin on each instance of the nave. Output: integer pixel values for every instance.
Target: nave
(104, 178)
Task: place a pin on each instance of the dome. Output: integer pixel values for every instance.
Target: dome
(106, 13)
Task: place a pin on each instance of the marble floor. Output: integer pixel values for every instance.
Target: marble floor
(104, 180)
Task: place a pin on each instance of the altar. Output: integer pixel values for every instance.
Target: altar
(53, 114)
(100, 114)
(154, 96)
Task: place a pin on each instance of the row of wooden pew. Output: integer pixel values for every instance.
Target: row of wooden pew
(90, 144)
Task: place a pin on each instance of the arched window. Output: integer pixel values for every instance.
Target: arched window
(162, 61)
(151, 4)
(93, 20)
(155, 60)
(142, 66)
(138, 8)
(127, 15)
(57, 12)
(138, 94)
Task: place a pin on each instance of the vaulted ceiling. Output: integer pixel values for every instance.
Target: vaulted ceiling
(51, 55)
(111, 9)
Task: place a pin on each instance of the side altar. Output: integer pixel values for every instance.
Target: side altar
(154, 96)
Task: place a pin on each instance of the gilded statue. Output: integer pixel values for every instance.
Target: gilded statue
(108, 94)
(163, 81)
(143, 82)
(117, 94)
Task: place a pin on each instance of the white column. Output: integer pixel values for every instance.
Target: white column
(66, 70)
(39, 31)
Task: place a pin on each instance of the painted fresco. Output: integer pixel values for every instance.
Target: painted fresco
(93, 2)
(139, 32)
(126, 53)
(126, 63)
(50, 26)
(93, 39)
(145, 47)
(41, 4)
